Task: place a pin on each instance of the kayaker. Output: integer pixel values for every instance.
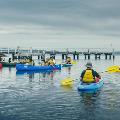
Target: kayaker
(89, 75)
(51, 61)
(68, 61)
(32, 62)
(46, 62)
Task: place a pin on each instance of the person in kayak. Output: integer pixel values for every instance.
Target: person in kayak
(52, 61)
(68, 61)
(31, 61)
(89, 75)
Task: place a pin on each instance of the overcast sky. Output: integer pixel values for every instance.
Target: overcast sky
(60, 23)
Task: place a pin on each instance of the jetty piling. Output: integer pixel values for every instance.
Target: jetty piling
(97, 56)
(87, 55)
(76, 54)
(64, 56)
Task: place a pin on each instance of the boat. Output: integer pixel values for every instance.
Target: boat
(86, 87)
(7, 64)
(66, 65)
(25, 67)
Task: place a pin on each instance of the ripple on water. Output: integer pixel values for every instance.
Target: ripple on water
(39, 96)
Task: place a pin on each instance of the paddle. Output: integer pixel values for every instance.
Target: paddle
(73, 62)
(67, 82)
(112, 69)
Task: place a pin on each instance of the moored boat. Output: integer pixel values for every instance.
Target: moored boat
(7, 64)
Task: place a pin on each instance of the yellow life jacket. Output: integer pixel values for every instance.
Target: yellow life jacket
(88, 76)
(51, 62)
(68, 60)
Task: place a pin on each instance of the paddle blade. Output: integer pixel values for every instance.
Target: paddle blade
(112, 69)
(67, 82)
(73, 62)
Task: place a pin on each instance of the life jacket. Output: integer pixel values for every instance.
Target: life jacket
(68, 61)
(54, 61)
(88, 76)
(51, 62)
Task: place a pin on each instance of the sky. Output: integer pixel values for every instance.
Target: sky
(60, 23)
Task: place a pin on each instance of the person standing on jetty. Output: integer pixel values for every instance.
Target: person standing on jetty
(89, 75)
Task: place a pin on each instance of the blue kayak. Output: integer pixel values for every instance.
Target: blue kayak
(66, 65)
(24, 67)
(90, 87)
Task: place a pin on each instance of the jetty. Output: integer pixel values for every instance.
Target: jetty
(23, 53)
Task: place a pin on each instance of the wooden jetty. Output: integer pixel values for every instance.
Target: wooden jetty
(20, 53)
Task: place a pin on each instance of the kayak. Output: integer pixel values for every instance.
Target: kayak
(66, 65)
(90, 87)
(24, 67)
(7, 64)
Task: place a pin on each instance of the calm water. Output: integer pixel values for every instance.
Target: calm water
(39, 96)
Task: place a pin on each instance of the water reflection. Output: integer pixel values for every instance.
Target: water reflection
(69, 70)
(67, 88)
(89, 95)
(30, 72)
(39, 96)
(42, 75)
(1, 70)
(9, 69)
(90, 104)
(31, 77)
